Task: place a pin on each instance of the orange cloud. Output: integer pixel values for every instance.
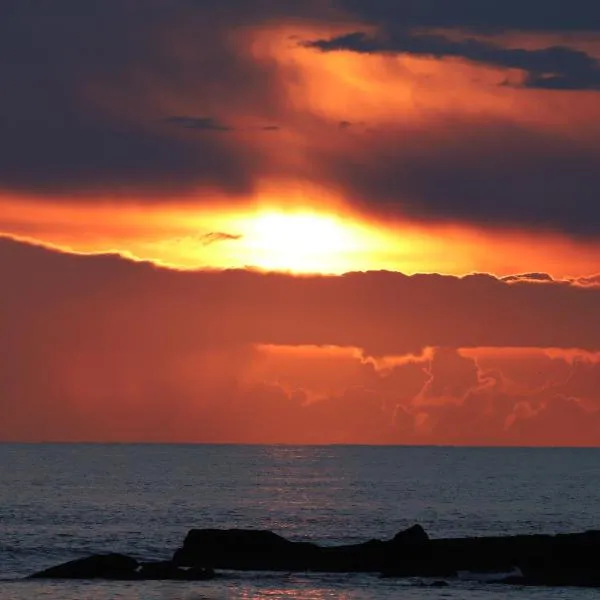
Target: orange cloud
(100, 348)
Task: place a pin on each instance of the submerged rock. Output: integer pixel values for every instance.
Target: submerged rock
(121, 567)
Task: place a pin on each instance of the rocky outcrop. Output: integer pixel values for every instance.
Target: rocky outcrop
(248, 549)
(97, 566)
(121, 567)
(568, 559)
(245, 549)
(547, 560)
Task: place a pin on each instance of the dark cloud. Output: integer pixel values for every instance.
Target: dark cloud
(105, 98)
(529, 277)
(86, 88)
(505, 15)
(487, 171)
(555, 67)
(218, 236)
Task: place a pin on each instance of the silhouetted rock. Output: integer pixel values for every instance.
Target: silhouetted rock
(247, 549)
(559, 560)
(365, 557)
(244, 549)
(545, 560)
(412, 536)
(120, 567)
(568, 559)
(97, 566)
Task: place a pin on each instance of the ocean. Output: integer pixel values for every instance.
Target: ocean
(64, 501)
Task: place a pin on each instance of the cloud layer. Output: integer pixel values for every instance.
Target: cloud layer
(152, 102)
(554, 67)
(98, 347)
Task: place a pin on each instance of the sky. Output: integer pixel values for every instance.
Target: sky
(328, 221)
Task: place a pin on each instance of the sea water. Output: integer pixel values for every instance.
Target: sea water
(63, 501)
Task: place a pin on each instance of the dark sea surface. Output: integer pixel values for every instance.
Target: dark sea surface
(59, 502)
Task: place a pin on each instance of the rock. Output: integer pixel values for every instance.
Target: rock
(247, 549)
(565, 560)
(568, 559)
(544, 560)
(366, 557)
(244, 549)
(412, 536)
(560, 560)
(120, 567)
(409, 554)
(97, 566)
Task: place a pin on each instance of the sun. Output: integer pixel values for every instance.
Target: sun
(301, 242)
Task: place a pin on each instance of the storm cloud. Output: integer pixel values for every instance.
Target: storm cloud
(132, 100)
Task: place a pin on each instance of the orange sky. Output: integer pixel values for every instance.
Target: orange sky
(296, 238)
(225, 145)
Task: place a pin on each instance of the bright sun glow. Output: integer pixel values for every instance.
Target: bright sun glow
(301, 242)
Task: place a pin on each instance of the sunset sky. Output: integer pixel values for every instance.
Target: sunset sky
(316, 221)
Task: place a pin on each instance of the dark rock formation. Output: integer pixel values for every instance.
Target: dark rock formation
(245, 549)
(98, 566)
(546, 560)
(568, 559)
(121, 567)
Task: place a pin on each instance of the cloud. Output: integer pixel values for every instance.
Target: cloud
(112, 73)
(554, 67)
(487, 171)
(592, 281)
(359, 310)
(541, 277)
(508, 399)
(472, 15)
(103, 348)
(218, 236)
(128, 84)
